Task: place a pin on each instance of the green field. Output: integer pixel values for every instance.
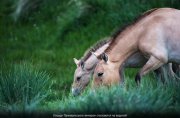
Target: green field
(40, 38)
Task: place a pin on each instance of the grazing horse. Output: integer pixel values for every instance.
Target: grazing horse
(156, 35)
(87, 64)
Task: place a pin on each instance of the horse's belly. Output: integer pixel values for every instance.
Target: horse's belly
(174, 50)
(174, 56)
(136, 60)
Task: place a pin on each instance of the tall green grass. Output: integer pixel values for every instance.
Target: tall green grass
(25, 89)
(22, 88)
(151, 97)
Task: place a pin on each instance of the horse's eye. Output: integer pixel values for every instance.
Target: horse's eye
(78, 78)
(100, 74)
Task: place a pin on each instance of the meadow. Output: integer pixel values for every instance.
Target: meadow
(40, 38)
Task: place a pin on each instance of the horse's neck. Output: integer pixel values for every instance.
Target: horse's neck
(125, 46)
(92, 60)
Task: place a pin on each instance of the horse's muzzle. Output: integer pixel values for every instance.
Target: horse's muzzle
(76, 91)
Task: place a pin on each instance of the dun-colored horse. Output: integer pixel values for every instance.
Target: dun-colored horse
(156, 34)
(87, 64)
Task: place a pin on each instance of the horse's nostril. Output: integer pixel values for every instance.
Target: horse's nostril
(100, 74)
(78, 78)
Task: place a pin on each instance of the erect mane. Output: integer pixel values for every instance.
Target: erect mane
(94, 48)
(120, 30)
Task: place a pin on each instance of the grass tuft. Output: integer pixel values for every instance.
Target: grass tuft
(22, 88)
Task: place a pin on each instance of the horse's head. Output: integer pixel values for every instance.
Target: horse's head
(82, 76)
(106, 72)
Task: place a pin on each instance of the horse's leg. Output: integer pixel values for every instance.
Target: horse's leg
(152, 64)
(121, 73)
(158, 73)
(174, 70)
(175, 67)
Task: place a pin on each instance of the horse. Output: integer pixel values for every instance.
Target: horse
(87, 64)
(155, 34)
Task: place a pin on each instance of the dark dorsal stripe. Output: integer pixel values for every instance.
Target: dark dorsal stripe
(94, 48)
(120, 30)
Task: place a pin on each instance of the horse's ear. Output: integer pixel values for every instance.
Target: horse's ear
(104, 57)
(96, 55)
(76, 61)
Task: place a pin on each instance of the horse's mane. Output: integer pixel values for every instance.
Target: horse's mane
(120, 30)
(94, 48)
